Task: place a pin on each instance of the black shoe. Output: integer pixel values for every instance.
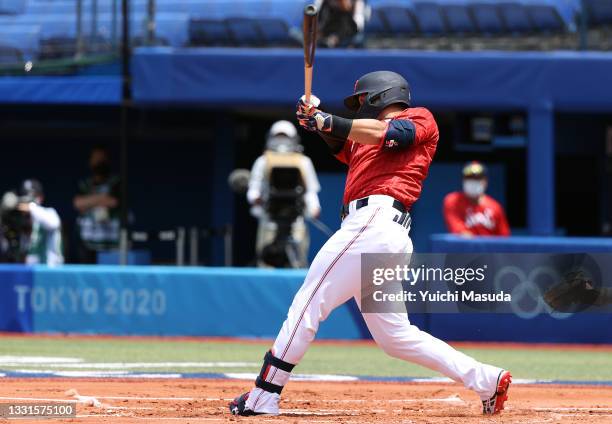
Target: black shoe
(238, 406)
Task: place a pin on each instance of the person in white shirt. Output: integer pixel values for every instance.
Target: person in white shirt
(283, 150)
(45, 242)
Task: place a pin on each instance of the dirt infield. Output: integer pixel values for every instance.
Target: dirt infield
(195, 401)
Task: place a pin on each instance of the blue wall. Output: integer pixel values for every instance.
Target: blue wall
(157, 301)
(228, 302)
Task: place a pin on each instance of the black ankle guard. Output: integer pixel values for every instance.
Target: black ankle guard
(271, 360)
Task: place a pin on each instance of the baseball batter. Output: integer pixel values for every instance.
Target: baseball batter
(388, 149)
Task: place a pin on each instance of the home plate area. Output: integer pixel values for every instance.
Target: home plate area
(195, 400)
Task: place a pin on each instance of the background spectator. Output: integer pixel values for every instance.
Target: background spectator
(472, 212)
(98, 205)
(341, 22)
(30, 232)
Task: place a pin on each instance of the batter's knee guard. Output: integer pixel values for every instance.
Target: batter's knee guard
(274, 374)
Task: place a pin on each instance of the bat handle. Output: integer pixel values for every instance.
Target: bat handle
(307, 83)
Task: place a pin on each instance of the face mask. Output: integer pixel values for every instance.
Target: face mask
(101, 168)
(473, 188)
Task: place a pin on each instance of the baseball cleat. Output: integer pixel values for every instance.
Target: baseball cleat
(238, 406)
(495, 404)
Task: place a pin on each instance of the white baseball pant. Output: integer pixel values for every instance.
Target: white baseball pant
(334, 277)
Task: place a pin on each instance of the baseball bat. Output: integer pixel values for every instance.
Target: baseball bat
(310, 44)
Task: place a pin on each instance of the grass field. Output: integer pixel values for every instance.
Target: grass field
(363, 359)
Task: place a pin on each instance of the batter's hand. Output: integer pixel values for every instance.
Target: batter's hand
(318, 121)
(304, 108)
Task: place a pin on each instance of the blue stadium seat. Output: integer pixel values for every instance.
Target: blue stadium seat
(274, 31)
(10, 55)
(25, 38)
(599, 12)
(515, 17)
(170, 27)
(51, 25)
(487, 18)
(12, 7)
(208, 32)
(399, 19)
(291, 11)
(244, 32)
(458, 19)
(429, 17)
(376, 25)
(545, 18)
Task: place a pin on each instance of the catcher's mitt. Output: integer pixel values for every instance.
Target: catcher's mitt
(575, 289)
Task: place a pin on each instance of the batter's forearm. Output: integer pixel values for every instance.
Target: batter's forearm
(362, 131)
(367, 131)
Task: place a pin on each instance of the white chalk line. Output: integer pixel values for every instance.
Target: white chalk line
(183, 399)
(6, 359)
(31, 399)
(295, 377)
(97, 374)
(128, 365)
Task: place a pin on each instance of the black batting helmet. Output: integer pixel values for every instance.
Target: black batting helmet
(383, 88)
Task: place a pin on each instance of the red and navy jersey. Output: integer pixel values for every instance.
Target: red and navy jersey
(484, 218)
(399, 173)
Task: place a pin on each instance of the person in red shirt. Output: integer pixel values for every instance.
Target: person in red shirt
(388, 148)
(471, 212)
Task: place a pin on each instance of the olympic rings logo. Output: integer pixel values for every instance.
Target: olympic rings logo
(527, 292)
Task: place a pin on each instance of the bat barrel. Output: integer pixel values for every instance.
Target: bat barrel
(310, 44)
(310, 33)
(310, 10)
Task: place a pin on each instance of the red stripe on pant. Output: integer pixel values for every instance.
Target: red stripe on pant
(325, 274)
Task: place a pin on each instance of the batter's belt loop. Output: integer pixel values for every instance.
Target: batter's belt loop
(363, 202)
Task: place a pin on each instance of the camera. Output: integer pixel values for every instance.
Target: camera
(15, 228)
(284, 205)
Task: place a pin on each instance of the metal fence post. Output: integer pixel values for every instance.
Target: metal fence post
(194, 240)
(80, 47)
(150, 24)
(227, 244)
(180, 246)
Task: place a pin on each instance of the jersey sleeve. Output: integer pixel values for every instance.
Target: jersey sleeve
(453, 215)
(503, 229)
(425, 125)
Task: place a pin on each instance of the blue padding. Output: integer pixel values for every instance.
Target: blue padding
(15, 289)
(102, 90)
(447, 243)
(580, 328)
(217, 76)
(174, 301)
